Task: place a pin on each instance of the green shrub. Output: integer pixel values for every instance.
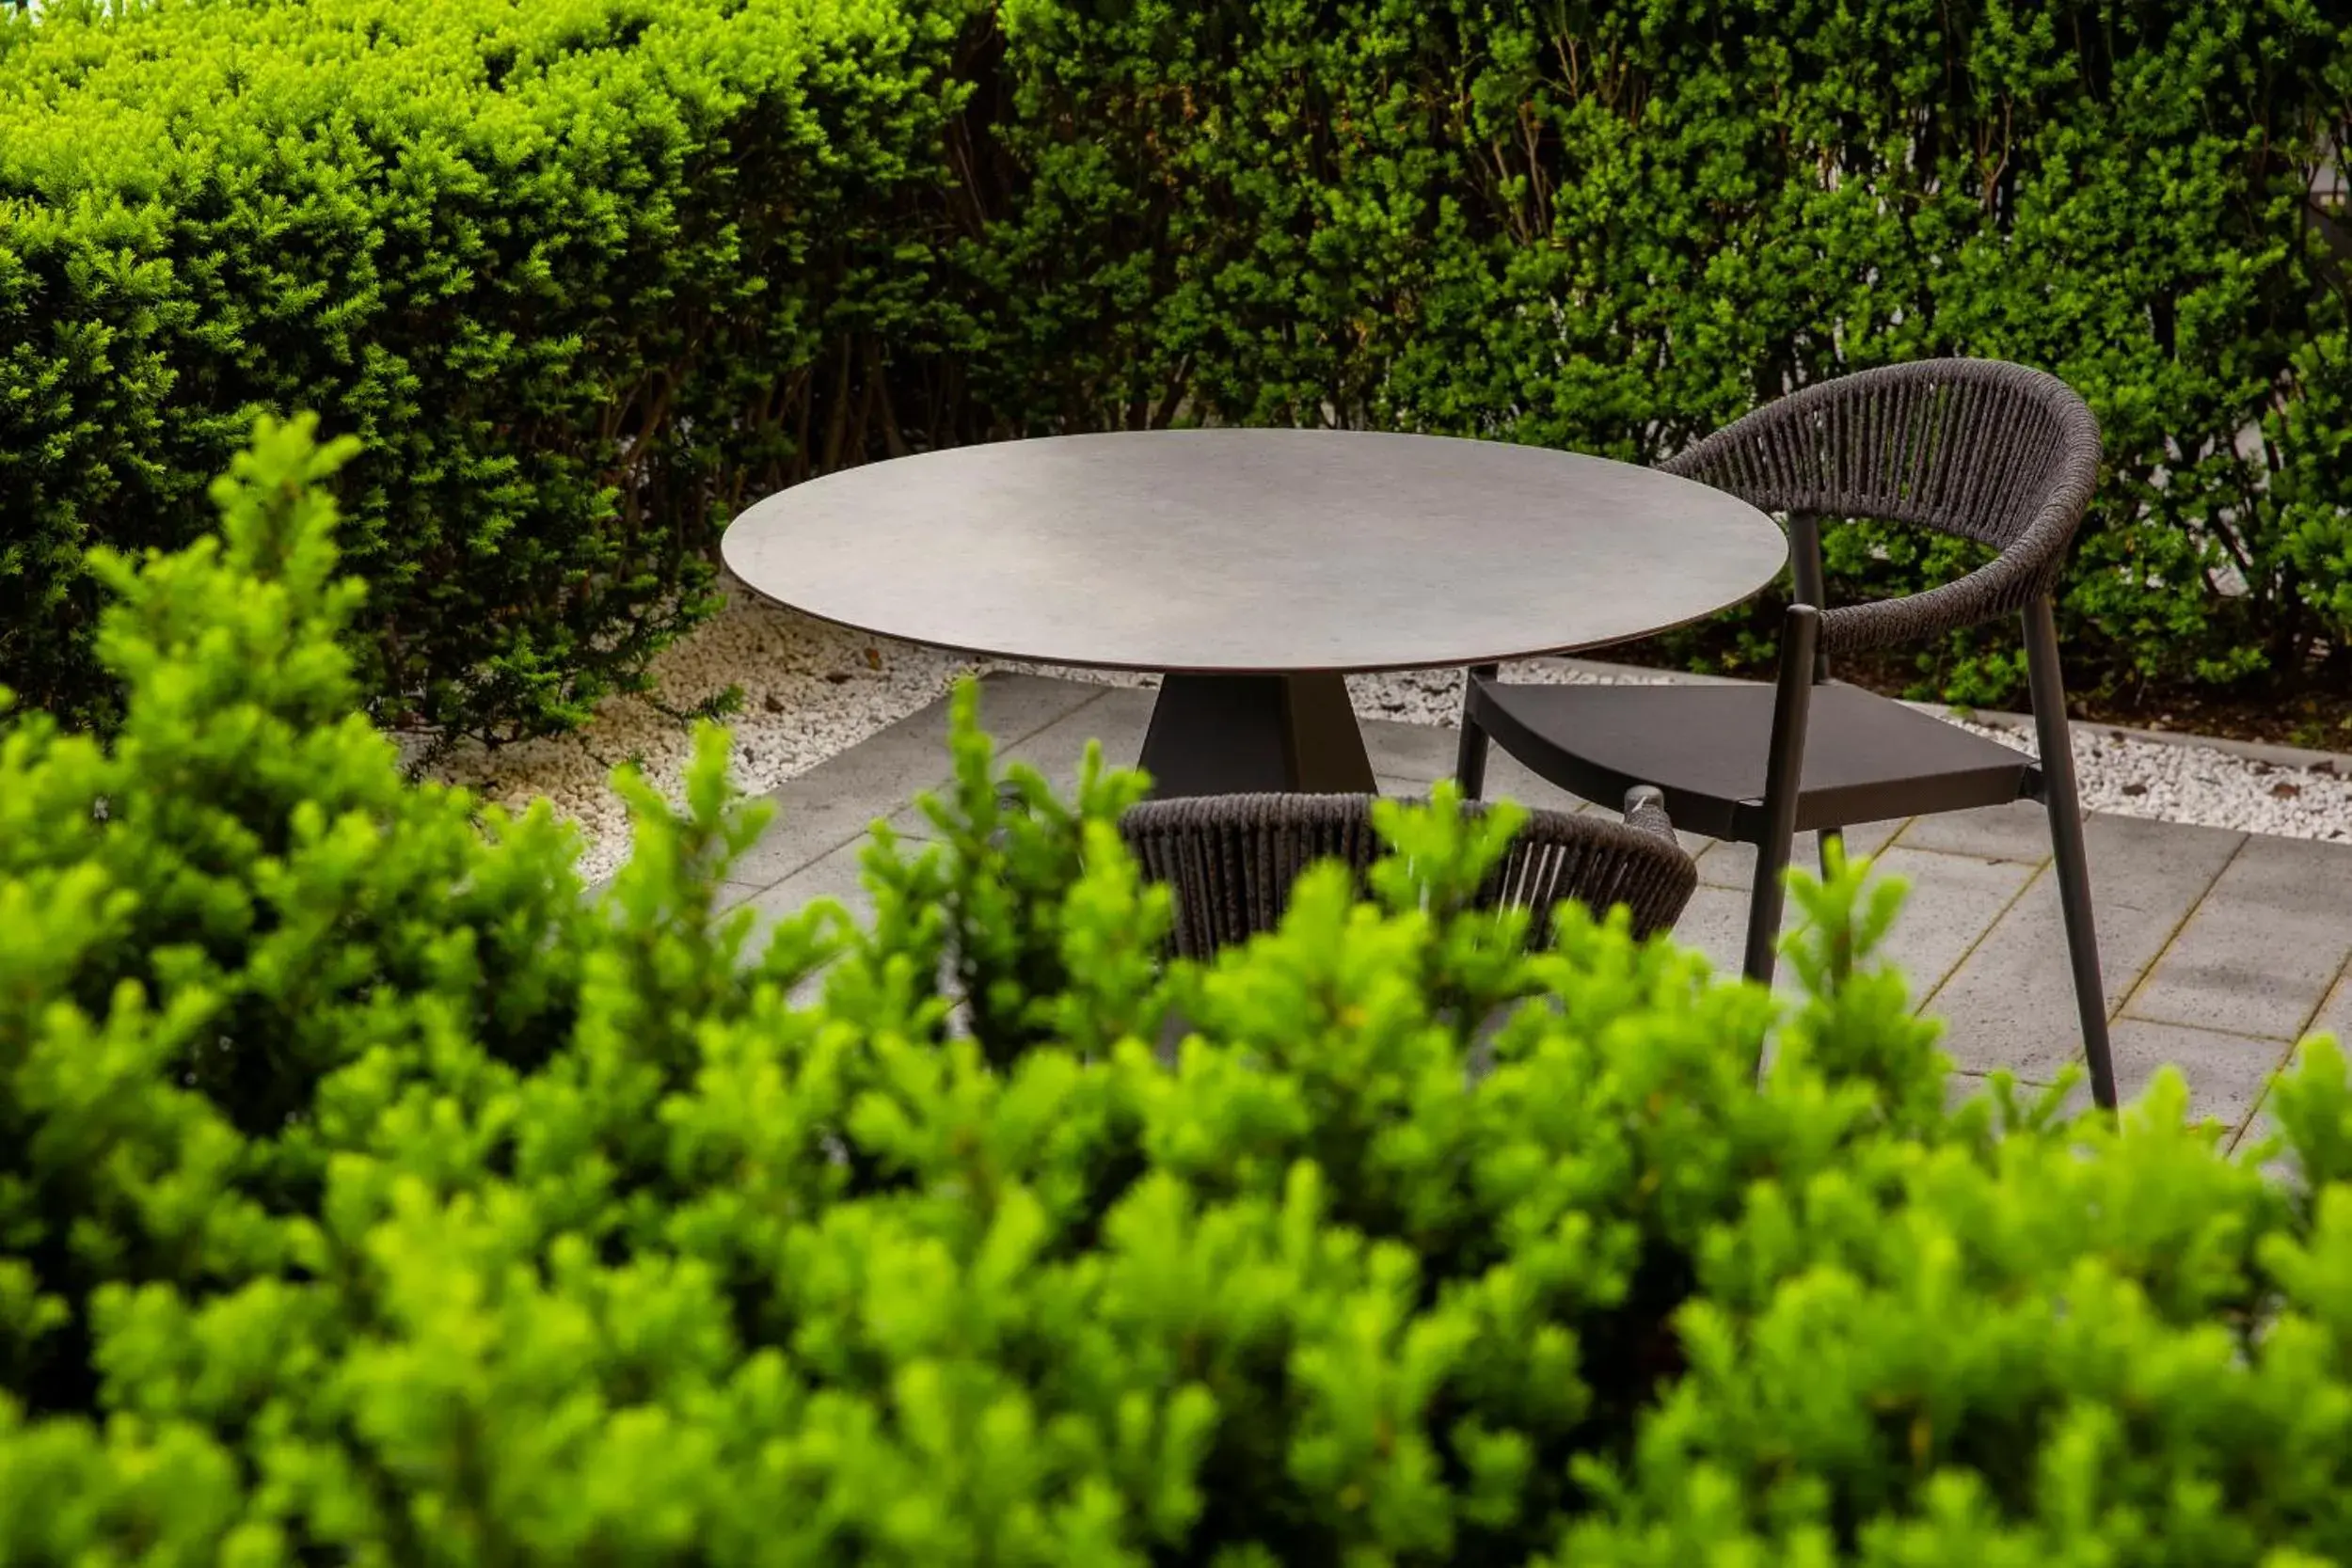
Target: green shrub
(1615, 227)
(585, 275)
(367, 1195)
(590, 274)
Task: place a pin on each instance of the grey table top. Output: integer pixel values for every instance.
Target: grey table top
(1255, 551)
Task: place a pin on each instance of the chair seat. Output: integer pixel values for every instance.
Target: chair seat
(1866, 757)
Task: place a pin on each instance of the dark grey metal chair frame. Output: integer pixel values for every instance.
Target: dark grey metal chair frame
(1231, 861)
(1995, 453)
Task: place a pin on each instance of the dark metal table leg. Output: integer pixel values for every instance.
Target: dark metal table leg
(1224, 735)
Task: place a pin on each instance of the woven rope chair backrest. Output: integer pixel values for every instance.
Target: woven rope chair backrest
(1998, 453)
(1231, 861)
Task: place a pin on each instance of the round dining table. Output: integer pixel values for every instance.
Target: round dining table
(1254, 569)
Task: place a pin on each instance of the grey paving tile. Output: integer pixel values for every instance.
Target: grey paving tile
(1716, 924)
(2228, 1074)
(2335, 1014)
(1507, 780)
(2263, 1125)
(1422, 753)
(2265, 955)
(1964, 1085)
(835, 802)
(2281, 1167)
(2264, 949)
(834, 875)
(1697, 845)
(1955, 901)
(1406, 767)
(1418, 756)
(2011, 1002)
(1732, 864)
(2260, 1127)
(2258, 1130)
(2018, 831)
(1115, 716)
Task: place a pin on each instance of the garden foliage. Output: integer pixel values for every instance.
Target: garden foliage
(569, 267)
(1617, 227)
(368, 1194)
(587, 275)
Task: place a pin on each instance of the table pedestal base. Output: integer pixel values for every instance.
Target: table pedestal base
(1233, 734)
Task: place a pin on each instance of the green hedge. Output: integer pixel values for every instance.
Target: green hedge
(1615, 226)
(588, 273)
(575, 270)
(368, 1195)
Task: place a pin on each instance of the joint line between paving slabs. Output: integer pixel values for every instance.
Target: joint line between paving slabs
(2171, 939)
(2327, 994)
(1982, 937)
(2238, 1134)
(867, 826)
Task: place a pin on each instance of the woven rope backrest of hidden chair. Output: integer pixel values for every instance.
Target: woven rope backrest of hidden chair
(1230, 862)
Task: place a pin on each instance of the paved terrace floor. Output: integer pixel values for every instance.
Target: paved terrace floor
(2221, 949)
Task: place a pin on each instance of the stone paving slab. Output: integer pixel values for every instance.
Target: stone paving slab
(2226, 1073)
(2020, 832)
(1733, 865)
(2219, 949)
(835, 801)
(834, 875)
(1407, 759)
(2011, 1004)
(2261, 1126)
(1117, 718)
(2335, 1014)
(2264, 948)
(1955, 900)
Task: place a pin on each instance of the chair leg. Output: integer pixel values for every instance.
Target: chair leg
(1804, 568)
(2069, 862)
(1784, 782)
(1767, 899)
(1470, 762)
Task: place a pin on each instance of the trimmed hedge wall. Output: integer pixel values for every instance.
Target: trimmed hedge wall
(1617, 227)
(588, 273)
(576, 271)
(366, 1195)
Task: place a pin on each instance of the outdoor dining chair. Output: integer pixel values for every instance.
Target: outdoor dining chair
(1230, 861)
(1992, 452)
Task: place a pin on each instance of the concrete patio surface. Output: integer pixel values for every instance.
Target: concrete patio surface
(2221, 949)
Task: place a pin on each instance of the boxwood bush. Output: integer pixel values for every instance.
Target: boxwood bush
(587, 275)
(369, 1194)
(1615, 226)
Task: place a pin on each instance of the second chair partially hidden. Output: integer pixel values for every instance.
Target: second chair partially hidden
(1993, 452)
(1231, 859)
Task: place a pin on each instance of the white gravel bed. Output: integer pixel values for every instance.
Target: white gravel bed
(812, 689)
(2198, 786)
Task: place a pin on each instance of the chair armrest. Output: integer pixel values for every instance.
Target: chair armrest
(2002, 586)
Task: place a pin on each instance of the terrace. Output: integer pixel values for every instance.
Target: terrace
(1258, 390)
(2223, 948)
